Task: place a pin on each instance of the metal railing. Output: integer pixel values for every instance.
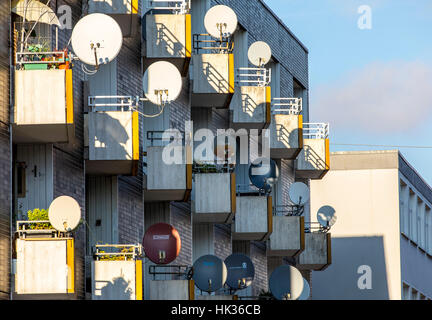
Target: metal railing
(260, 77)
(48, 57)
(316, 130)
(176, 135)
(110, 103)
(311, 227)
(175, 6)
(181, 271)
(290, 210)
(292, 106)
(207, 43)
(33, 227)
(130, 251)
(250, 189)
(213, 167)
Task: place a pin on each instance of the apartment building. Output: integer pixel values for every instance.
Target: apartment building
(382, 238)
(107, 154)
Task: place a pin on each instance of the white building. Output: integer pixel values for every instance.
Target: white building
(382, 239)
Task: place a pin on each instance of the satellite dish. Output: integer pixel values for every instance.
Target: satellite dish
(259, 53)
(97, 39)
(162, 243)
(64, 213)
(220, 21)
(326, 216)
(306, 291)
(286, 283)
(299, 193)
(162, 83)
(209, 273)
(241, 271)
(263, 174)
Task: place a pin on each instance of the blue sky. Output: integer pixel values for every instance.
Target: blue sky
(373, 86)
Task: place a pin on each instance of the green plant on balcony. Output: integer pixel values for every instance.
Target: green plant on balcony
(39, 215)
(126, 255)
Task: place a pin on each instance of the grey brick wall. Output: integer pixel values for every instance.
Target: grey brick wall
(259, 259)
(222, 242)
(181, 220)
(5, 154)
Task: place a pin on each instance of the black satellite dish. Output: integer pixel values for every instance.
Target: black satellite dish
(241, 271)
(209, 273)
(264, 173)
(286, 283)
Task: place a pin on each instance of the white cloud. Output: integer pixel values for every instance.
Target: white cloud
(383, 98)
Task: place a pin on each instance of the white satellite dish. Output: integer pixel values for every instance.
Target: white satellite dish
(286, 283)
(162, 83)
(306, 291)
(97, 39)
(64, 213)
(259, 53)
(326, 216)
(299, 193)
(220, 21)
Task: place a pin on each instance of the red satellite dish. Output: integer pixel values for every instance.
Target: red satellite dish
(162, 243)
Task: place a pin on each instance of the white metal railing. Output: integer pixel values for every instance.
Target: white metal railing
(292, 106)
(49, 57)
(104, 103)
(176, 6)
(260, 77)
(314, 130)
(127, 251)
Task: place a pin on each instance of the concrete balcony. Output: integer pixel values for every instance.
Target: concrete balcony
(254, 218)
(313, 162)
(167, 37)
(43, 111)
(213, 80)
(214, 197)
(172, 290)
(112, 141)
(166, 182)
(52, 256)
(286, 129)
(288, 237)
(251, 103)
(125, 12)
(120, 279)
(317, 253)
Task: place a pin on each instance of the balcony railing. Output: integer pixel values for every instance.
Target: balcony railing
(289, 106)
(204, 42)
(175, 136)
(260, 77)
(249, 188)
(128, 251)
(290, 210)
(111, 103)
(175, 6)
(311, 227)
(316, 130)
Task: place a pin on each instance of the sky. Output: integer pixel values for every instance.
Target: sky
(374, 86)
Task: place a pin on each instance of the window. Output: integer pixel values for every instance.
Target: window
(403, 206)
(419, 222)
(414, 294)
(21, 179)
(428, 230)
(411, 214)
(405, 291)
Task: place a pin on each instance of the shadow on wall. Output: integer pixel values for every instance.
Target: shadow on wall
(167, 42)
(250, 107)
(283, 135)
(118, 6)
(347, 277)
(117, 289)
(313, 159)
(214, 78)
(110, 137)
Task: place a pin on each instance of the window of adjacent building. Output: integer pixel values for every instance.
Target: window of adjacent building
(428, 229)
(414, 294)
(300, 92)
(411, 214)
(275, 79)
(420, 222)
(403, 206)
(405, 292)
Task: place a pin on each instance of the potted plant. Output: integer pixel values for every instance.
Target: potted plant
(39, 215)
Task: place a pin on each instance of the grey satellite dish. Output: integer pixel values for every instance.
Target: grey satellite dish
(209, 273)
(286, 283)
(221, 21)
(299, 193)
(259, 53)
(326, 216)
(241, 271)
(306, 291)
(264, 173)
(64, 214)
(162, 83)
(97, 39)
